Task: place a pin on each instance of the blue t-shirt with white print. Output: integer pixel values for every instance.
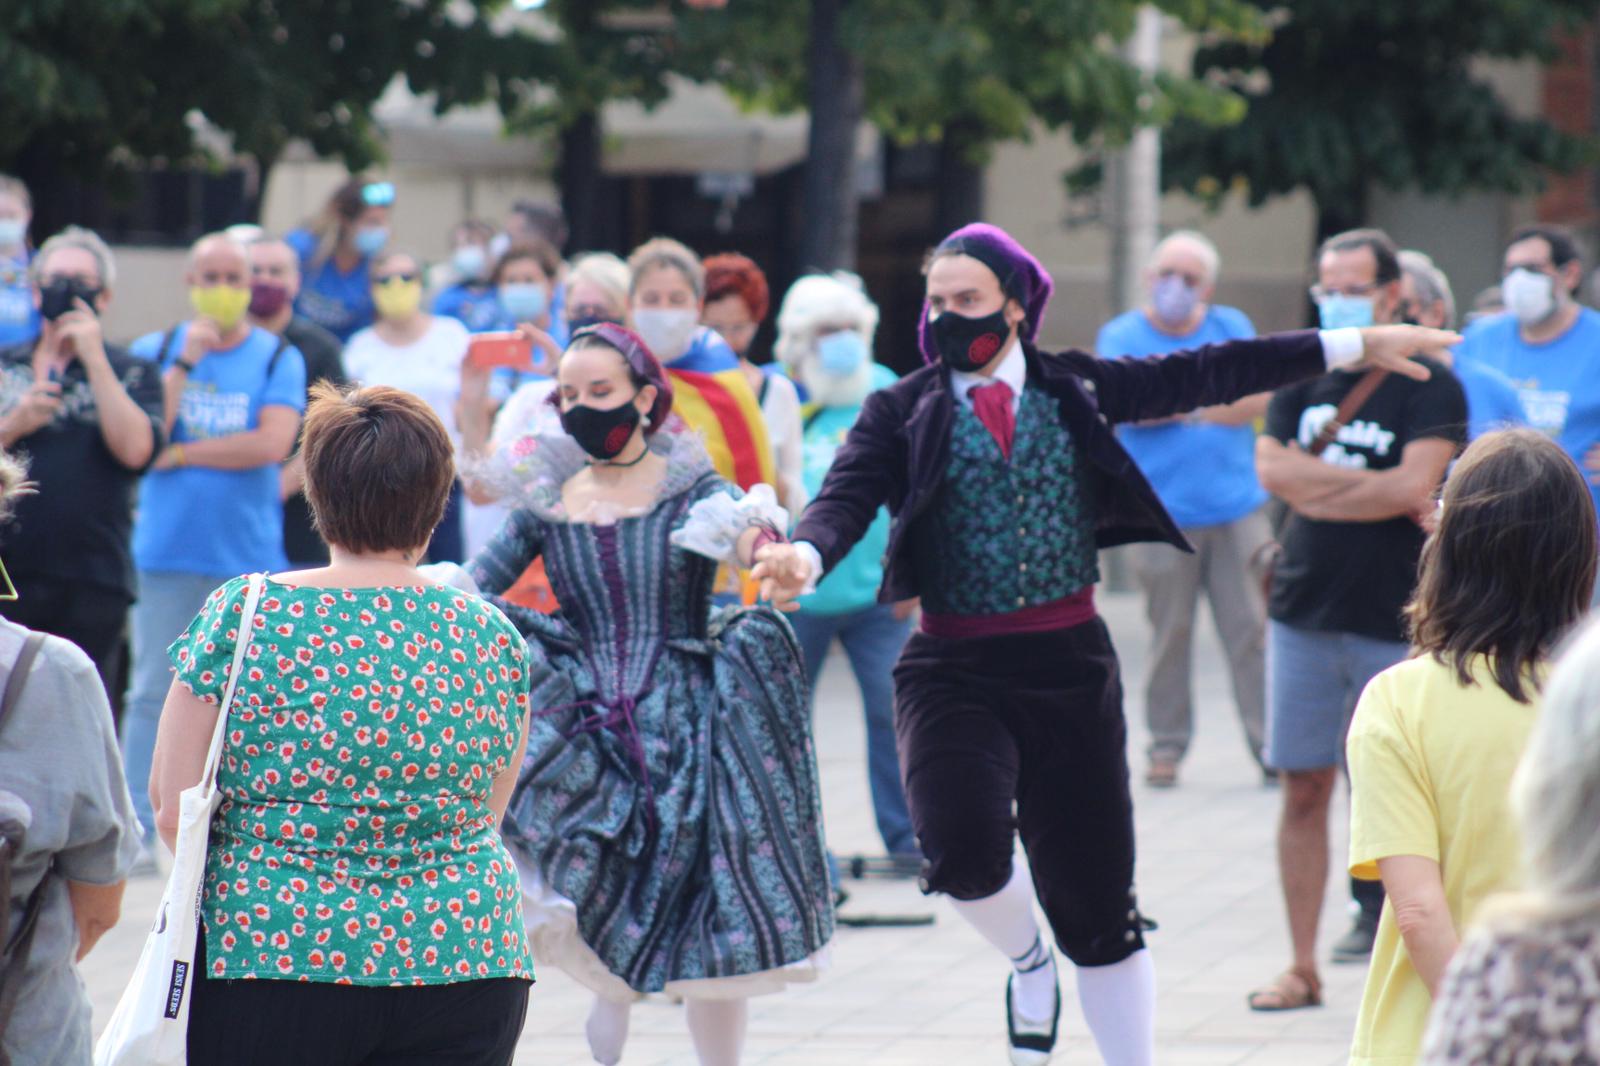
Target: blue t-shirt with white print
(1558, 381)
(198, 519)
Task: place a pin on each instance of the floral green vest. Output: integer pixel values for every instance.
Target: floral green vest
(1002, 535)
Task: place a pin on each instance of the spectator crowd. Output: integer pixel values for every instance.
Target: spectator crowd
(1395, 568)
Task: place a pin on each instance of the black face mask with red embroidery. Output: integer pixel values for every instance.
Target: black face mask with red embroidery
(603, 433)
(969, 344)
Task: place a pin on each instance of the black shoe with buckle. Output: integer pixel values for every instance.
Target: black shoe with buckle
(1031, 1047)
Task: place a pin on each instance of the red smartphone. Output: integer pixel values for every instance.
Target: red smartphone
(510, 349)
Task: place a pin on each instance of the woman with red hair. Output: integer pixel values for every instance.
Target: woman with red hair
(737, 301)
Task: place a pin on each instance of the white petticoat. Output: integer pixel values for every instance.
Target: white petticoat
(552, 923)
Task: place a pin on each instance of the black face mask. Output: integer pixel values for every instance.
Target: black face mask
(969, 344)
(601, 433)
(61, 296)
(586, 321)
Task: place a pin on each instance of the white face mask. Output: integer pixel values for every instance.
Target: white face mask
(666, 330)
(1529, 295)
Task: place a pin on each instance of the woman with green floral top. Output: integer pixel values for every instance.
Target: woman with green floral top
(376, 734)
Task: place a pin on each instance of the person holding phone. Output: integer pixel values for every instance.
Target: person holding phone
(410, 349)
(87, 417)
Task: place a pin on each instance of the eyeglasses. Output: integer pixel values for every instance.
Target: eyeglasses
(377, 193)
(386, 279)
(1322, 292)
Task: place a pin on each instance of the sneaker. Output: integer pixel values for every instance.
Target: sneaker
(1163, 773)
(1031, 1044)
(1356, 945)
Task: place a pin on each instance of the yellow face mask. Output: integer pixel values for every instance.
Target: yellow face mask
(223, 304)
(397, 297)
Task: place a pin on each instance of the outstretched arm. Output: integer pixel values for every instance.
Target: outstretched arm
(1131, 390)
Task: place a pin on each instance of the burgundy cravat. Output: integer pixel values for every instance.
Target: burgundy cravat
(992, 404)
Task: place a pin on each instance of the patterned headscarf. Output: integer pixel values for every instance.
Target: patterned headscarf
(640, 360)
(1021, 276)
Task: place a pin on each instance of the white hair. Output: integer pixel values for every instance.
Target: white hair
(1196, 240)
(815, 300)
(86, 240)
(1430, 282)
(1556, 791)
(605, 272)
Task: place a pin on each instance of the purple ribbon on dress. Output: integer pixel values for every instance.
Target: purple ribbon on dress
(619, 713)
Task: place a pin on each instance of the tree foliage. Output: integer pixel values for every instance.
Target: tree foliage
(1350, 92)
(991, 69)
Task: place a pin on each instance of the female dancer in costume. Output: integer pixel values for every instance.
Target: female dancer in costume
(667, 821)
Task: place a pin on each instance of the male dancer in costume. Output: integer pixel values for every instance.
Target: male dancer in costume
(1003, 476)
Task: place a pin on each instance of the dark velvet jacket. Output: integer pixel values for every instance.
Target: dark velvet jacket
(897, 451)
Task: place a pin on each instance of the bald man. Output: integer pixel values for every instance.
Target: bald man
(210, 508)
(1202, 466)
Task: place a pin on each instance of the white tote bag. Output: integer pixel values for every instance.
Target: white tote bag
(150, 1026)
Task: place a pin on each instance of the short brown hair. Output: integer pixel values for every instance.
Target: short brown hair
(535, 251)
(1510, 569)
(379, 466)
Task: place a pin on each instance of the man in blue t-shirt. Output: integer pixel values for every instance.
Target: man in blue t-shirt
(1547, 343)
(210, 508)
(1425, 294)
(1203, 468)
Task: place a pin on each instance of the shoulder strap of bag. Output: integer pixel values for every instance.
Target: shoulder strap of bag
(1358, 395)
(247, 618)
(18, 678)
(14, 956)
(277, 353)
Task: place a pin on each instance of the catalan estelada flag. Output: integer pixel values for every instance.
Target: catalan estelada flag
(711, 394)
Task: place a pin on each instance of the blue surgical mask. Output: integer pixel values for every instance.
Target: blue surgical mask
(842, 353)
(369, 240)
(1174, 300)
(470, 261)
(1337, 311)
(12, 231)
(523, 301)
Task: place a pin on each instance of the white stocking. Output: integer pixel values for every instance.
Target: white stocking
(1006, 920)
(717, 1028)
(607, 1029)
(1119, 1003)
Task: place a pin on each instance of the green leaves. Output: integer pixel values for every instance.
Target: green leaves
(1349, 92)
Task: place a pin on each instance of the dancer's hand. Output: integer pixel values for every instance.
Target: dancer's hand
(1395, 348)
(783, 573)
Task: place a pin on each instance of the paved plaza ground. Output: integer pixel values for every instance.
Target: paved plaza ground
(934, 995)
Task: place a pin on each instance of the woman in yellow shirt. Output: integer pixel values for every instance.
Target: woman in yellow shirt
(1435, 739)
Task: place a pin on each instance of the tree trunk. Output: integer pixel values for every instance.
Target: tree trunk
(578, 174)
(828, 198)
(960, 192)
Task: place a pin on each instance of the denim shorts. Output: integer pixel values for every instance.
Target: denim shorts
(1313, 682)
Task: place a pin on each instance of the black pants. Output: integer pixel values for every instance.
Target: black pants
(296, 1023)
(1001, 734)
(93, 617)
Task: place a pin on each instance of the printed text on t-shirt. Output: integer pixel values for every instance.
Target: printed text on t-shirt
(1360, 433)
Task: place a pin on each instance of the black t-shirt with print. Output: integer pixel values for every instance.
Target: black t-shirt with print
(77, 525)
(324, 362)
(1355, 577)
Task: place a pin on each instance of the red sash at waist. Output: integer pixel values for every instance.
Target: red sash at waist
(1041, 618)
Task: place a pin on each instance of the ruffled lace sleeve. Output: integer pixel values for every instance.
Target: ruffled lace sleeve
(716, 521)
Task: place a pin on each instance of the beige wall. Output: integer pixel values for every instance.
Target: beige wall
(1264, 251)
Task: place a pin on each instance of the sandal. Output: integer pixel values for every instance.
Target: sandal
(1290, 990)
